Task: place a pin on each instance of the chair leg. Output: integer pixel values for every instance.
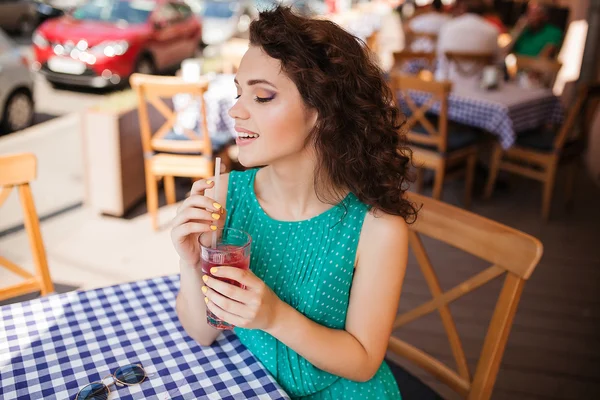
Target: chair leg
(494, 168)
(570, 182)
(152, 198)
(32, 226)
(469, 179)
(170, 189)
(438, 183)
(548, 190)
(419, 182)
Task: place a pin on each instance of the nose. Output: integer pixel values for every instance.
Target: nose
(238, 111)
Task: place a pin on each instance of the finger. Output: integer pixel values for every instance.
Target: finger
(196, 215)
(227, 304)
(189, 228)
(243, 276)
(200, 186)
(228, 290)
(224, 315)
(200, 201)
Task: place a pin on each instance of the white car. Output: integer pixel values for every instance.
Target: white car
(16, 88)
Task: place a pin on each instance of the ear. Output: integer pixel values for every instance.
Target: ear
(312, 117)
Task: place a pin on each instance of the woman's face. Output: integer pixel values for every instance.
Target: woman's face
(271, 120)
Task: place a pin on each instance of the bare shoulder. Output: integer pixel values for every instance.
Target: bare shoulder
(382, 233)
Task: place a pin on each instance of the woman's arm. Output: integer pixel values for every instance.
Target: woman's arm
(356, 353)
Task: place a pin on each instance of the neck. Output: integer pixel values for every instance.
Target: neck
(286, 187)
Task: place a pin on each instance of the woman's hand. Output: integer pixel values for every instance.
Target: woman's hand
(255, 307)
(196, 215)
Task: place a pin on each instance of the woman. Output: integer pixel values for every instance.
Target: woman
(326, 214)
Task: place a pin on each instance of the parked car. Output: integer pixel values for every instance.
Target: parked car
(16, 88)
(103, 42)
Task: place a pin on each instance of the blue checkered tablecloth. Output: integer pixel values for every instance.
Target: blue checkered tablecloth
(51, 347)
(505, 112)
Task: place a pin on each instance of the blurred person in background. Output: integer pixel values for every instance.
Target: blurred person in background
(468, 32)
(493, 17)
(430, 22)
(534, 36)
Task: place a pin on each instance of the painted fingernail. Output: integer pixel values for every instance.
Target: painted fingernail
(204, 289)
(209, 182)
(216, 216)
(206, 300)
(205, 278)
(214, 270)
(213, 227)
(217, 206)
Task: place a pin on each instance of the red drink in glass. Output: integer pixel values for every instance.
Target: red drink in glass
(233, 250)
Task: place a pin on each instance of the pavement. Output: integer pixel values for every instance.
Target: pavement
(84, 250)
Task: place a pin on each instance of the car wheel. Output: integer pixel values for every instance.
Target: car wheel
(18, 112)
(26, 26)
(145, 65)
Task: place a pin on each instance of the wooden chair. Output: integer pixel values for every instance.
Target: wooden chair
(165, 157)
(513, 254)
(545, 68)
(468, 65)
(436, 144)
(537, 154)
(415, 63)
(16, 171)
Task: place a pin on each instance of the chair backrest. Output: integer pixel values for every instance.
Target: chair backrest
(511, 253)
(413, 62)
(16, 171)
(405, 87)
(467, 64)
(153, 89)
(547, 68)
(587, 98)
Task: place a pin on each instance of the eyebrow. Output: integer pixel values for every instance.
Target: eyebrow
(252, 82)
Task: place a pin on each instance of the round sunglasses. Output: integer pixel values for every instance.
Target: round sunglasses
(128, 375)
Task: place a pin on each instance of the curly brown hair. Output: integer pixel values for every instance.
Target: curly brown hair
(357, 135)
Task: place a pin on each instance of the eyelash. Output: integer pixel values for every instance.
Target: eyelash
(258, 99)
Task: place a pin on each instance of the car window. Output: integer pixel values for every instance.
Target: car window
(183, 10)
(133, 12)
(220, 9)
(166, 13)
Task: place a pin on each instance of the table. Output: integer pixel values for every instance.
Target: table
(50, 347)
(504, 112)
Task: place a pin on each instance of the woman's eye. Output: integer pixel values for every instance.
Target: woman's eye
(263, 99)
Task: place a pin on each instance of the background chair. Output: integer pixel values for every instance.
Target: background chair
(545, 69)
(538, 153)
(467, 65)
(513, 254)
(16, 171)
(436, 144)
(191, 155)
(415, 63)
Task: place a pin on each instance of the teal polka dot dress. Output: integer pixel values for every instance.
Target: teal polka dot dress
(309, 264)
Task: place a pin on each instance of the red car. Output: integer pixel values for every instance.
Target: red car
(102, 42)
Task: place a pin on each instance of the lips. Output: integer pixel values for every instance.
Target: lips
(245, 136)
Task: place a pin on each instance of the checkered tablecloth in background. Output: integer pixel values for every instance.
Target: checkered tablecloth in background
(51, 347)
(504, 112)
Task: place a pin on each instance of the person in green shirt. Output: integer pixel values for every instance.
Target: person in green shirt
(534, 36)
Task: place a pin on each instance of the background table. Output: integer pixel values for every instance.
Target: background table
(51, 347)
(504, 112)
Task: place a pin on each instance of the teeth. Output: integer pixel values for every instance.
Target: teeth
(247, 135)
